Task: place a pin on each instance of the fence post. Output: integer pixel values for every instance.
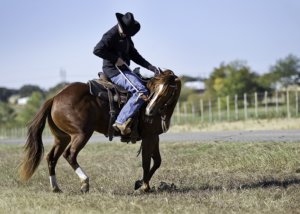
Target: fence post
(288, 103)
(256, 104)
(245, 107)
(201, 110)
(178, 112)
(236, 107)
(219, 109)
(276, 98)
(185, 111)
(209, 111)
(296, 97)
(193, 110)
(266, 102)
(228, 108)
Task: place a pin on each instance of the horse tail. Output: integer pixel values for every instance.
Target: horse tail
(34, 149)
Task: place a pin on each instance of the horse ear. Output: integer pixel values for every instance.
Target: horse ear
(160, 71)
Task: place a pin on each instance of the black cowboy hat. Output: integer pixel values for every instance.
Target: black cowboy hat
(128, 24)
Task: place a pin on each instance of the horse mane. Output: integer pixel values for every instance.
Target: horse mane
(165, 77)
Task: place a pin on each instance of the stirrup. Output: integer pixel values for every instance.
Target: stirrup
(123, 128)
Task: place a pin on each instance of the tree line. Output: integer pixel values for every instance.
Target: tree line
(12, 115)
(237, 78)
(233, 78)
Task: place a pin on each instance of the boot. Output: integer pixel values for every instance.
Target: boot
(123, 128)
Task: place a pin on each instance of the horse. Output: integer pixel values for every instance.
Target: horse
(73, 114)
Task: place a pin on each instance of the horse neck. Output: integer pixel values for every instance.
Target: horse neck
(167, 114)
(171, 107)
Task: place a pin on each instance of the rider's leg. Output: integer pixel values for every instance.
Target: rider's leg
(134, 103)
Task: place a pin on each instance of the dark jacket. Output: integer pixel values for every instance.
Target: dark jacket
(112, 46)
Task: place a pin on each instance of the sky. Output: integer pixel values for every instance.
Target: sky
(40, 40)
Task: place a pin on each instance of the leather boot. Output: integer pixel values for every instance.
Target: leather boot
(123, 128)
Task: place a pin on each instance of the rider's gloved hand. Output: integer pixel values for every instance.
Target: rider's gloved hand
(120, 62)
(154, 69)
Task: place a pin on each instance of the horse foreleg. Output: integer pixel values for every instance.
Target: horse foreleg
(149, 149)
(77, 143)
(156, 160)
(52, 158)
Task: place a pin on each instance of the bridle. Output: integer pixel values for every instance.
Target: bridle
(163, 109)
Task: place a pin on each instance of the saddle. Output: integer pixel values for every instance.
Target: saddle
(106, 90)
(116, 96)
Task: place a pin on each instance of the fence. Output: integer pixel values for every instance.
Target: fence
(232, 108)
(19, 132)
(283, 104)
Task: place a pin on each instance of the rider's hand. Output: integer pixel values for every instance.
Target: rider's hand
(154, 69)
(120, 62)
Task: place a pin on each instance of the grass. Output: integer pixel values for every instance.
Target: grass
(210, 178)
(251, 124)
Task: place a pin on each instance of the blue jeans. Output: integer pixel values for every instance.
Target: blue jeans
(132, 104)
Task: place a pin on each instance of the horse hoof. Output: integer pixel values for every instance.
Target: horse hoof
(138, 184)
(145, 188)
(56, 190)
(85, 187)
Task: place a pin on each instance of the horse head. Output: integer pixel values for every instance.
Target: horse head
(162, 88)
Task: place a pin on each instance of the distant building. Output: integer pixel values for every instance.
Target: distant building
(22, 101)
(198, 86)
(13, 99)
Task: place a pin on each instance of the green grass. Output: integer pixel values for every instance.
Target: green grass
(210, 178)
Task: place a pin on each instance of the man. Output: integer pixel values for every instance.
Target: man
(117, 49)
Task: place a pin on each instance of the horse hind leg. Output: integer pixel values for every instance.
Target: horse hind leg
(61, 140)
(78, 141)
(52, 158)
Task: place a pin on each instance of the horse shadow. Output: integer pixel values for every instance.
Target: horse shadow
(263, 184)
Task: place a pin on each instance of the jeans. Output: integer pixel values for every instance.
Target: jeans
(133, 104)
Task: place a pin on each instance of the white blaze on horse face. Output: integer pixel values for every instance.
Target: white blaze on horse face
(153, 100)
(81, 174)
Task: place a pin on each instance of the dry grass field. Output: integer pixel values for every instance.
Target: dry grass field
(251, 124)
(209, 178)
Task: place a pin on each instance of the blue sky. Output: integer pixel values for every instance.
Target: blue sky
(38, 38)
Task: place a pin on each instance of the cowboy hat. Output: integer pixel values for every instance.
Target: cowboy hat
(128, 24)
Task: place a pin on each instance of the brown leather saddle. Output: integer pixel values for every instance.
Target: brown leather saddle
(116, 96)
(106, 90)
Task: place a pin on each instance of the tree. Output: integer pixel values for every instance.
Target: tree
(30, 109)
(185, 78)
(233, 78)
(7, 115)
(184, 93)
(5, 93)
(285, 72)
(27, 90)
(54, 90)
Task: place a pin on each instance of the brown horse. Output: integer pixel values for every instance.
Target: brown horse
(73, 115)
